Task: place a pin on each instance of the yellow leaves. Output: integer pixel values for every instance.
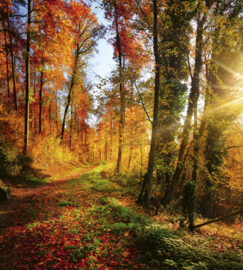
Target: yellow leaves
(126, 234)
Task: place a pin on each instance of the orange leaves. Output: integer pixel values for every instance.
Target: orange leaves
(121, 14)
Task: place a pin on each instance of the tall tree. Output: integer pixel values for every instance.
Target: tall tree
(27, 60)
(87, 33)
(223, 73)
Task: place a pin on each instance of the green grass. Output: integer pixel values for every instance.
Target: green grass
(87, 220)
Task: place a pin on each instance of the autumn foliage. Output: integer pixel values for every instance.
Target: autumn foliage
(169, 113)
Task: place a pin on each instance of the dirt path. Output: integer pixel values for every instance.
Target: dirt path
(21, 194)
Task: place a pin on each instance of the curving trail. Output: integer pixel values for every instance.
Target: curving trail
(21, 195)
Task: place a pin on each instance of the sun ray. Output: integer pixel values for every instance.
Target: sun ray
(237, 74)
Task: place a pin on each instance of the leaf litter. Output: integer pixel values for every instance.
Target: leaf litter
(62, 226)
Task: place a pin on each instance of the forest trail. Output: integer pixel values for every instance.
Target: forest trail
(92, 222)
(20, 194)
(60, 227)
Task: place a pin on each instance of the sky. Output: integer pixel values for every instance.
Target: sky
(102, 63)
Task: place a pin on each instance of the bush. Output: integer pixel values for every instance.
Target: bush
(159, 244)
(189, 204)
(12, 164)
(48, 152)
(4, 162)
(24, 162)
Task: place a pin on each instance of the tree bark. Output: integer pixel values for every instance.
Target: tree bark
(5, 38)
(106, 145)
(12, 56)
(67, 106)
(152, 153)
(122, 102)
(50, 116)
(193, 97)
(71, 127)
(27, 60)
(111, 138)
(40, 102)
(56, 113)
(218, 219)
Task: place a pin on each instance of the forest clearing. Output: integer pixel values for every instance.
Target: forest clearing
(90, 222)
(135, 162)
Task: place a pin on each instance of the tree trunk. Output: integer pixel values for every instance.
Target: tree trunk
(71, 126)
(196, 145)
(56, 114)
(35, 96)
(50, 116)
(93, 148)
(191, 106)
(130, 157)
(141, 153)
(67, 106)
(27, 59)
(122, 102)
(111, 139)
(5, 38)
(152, 153)
(106, 145)
(12, 56)
(40, 102)
(218, 219)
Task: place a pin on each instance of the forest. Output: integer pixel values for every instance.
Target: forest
(141, 169)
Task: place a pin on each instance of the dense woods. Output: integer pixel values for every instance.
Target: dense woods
(169, 114)
(167, 120)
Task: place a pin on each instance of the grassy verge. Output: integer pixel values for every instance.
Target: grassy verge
(91, 222)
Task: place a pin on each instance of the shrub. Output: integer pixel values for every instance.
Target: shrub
(4, 162)
(24, 162)
(188, 204)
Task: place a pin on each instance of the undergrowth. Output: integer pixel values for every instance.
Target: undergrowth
(88, 223)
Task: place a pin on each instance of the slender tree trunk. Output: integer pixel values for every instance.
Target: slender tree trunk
(218, 219)
(12, 58)
(191, 106)
(111, 139)
(196, 145)
(77, 120)
(34, 118)
(130, 156)
(122, 102)
(56, 113)
(163, 180)
(141, 153)
(93, 148)
(131, 143)
(34, 85)
(50, 116)
(196, 137)
(6, 47)
(27, 59)
(152, 153)
(40, 102)
(67, 106)
(71, 126)
(106, 145)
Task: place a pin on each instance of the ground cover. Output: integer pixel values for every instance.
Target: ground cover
(92, 222)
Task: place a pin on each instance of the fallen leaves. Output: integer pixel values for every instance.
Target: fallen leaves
(40, 235)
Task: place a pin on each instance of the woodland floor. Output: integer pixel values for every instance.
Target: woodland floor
(84, 221)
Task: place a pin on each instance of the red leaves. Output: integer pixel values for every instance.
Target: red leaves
(60, 240)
